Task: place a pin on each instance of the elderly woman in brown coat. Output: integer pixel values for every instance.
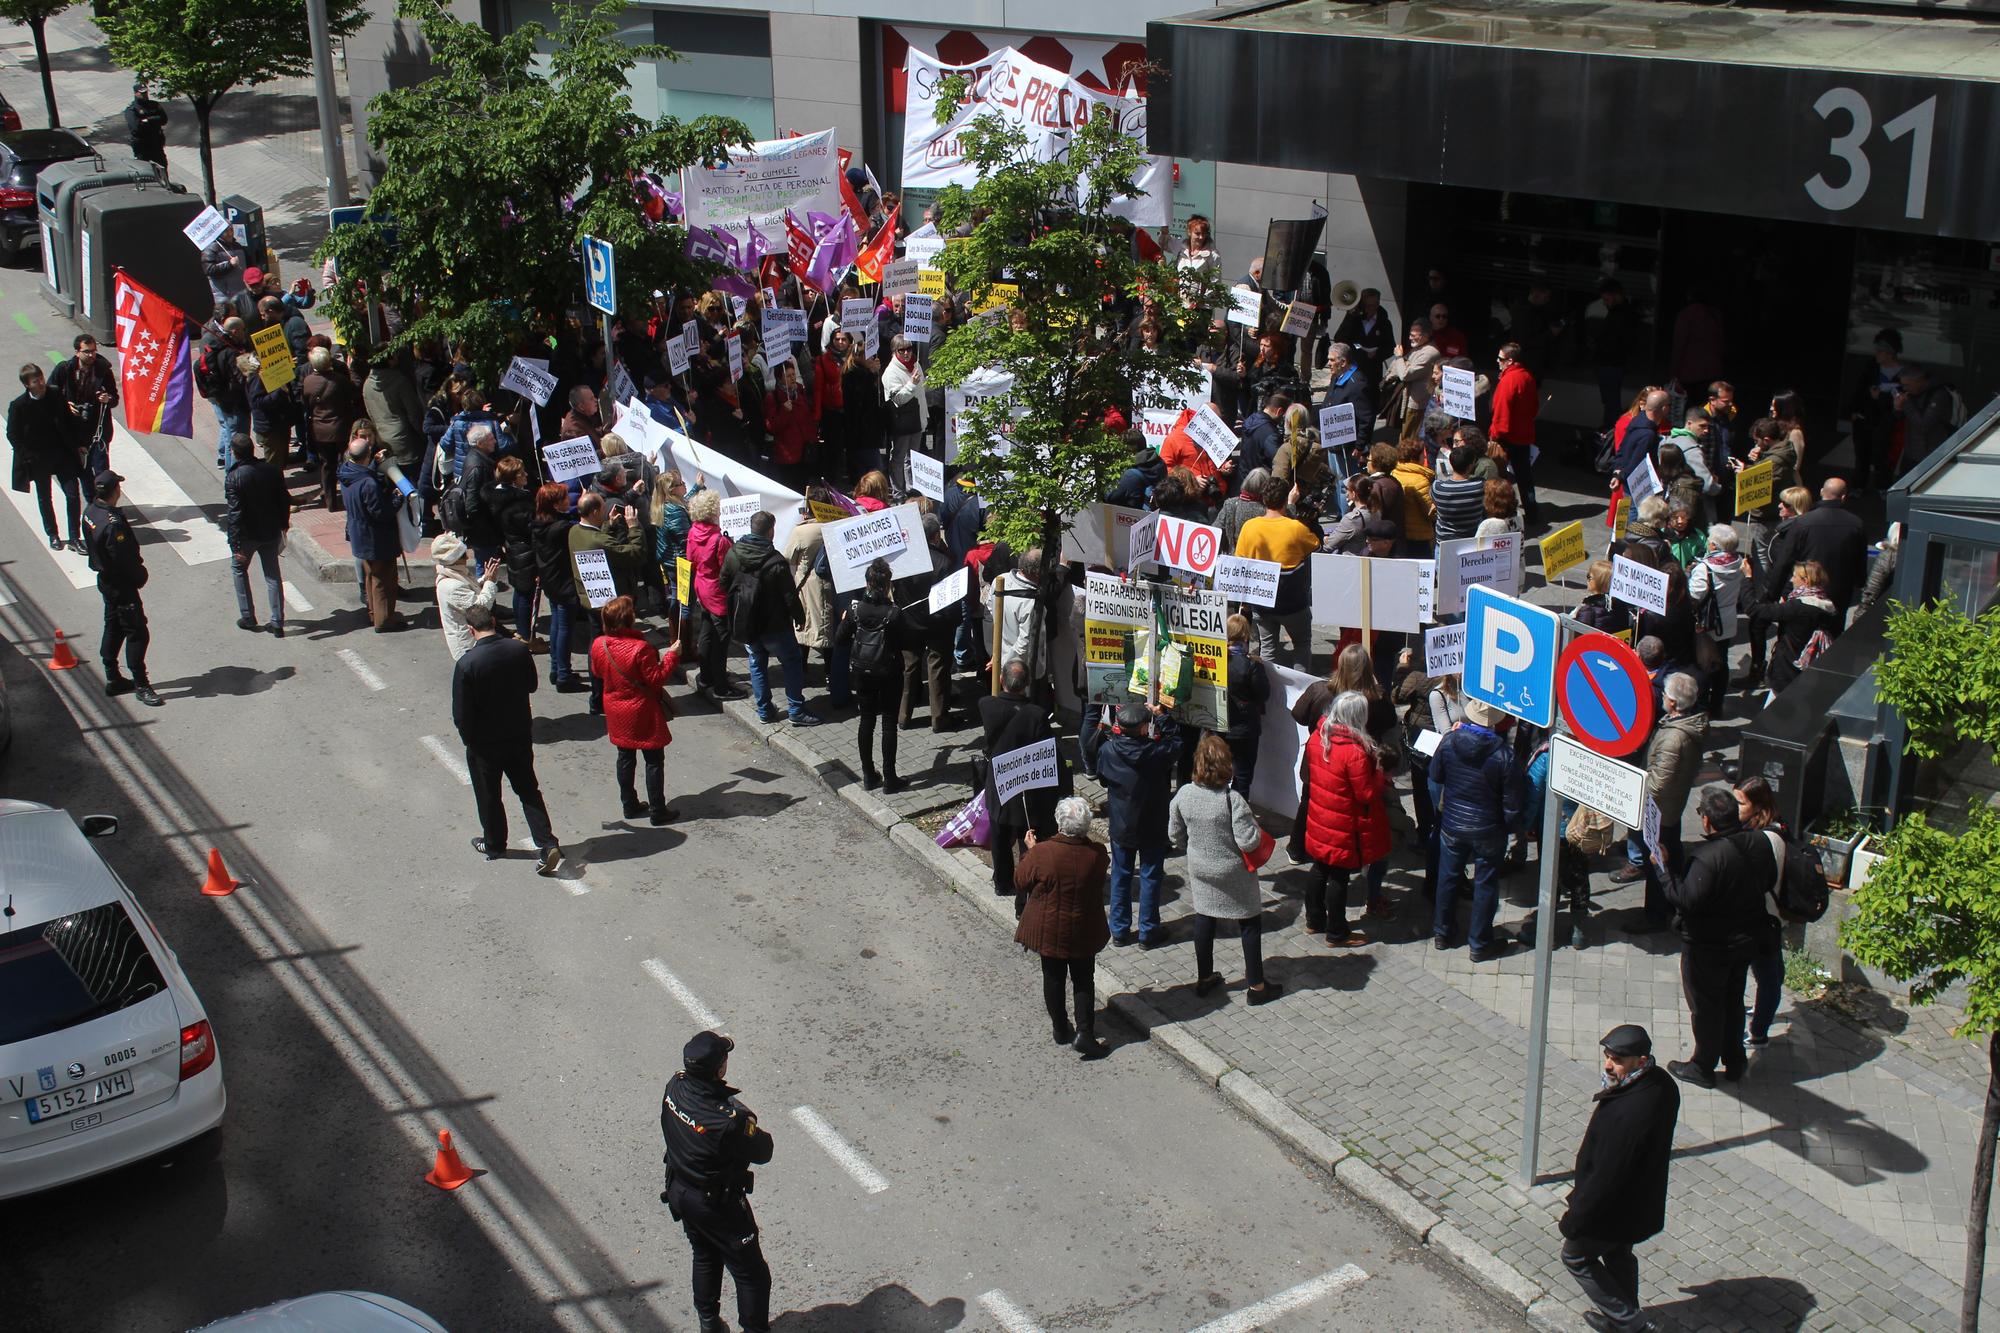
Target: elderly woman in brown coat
(1064, 876)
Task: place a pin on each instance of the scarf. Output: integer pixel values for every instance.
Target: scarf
(1608, 1083)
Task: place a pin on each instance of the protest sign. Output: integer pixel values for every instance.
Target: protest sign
(899, 277)
(759, 181)
(896, 535)
(1026, 769)
(951, 589)
(1649, 830)
(854, 312)
(1246, 306)
(871, 338)
(1444, 650)
(204, 227)
(593, 568)
(1753, 485)
(1180, 544)
(275, 366)
(1464, 561)
(1242, 579)
(1336, 425)
(1299, 316)
(1622, 515)
(783, 327)
(826, 513)
(734, 345)
(1644, 481)
(924, 244)
(1459, 393)
(917, 318)
(531, 379)
(1563, 550)
(1426, 743)
(1393, 604)
(677, 356)
(1637, 585)
(930, 282)
(1207, 429)
(571, 460)
(1119, 622)
(618, 386)
(737, 511)
(927, 475)
(683, 581)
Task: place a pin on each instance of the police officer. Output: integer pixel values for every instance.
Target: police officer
(712, 1142)
(146, 126)
(121, 572)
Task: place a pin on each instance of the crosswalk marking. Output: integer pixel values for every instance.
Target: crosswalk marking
(168, 509)
(73, 566)
(294, 599)
(1007, 1314)
(1292, 1298)
(452, 763)
(677, 988)
(840, 1150)
(362, 669)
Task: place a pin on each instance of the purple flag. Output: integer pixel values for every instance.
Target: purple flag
(758, 246)
(835, 251)
(704, 244)
(729, 243)
(734, 284)
(675, 208)
(821, 223)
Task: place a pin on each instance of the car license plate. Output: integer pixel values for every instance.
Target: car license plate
(64, 1100)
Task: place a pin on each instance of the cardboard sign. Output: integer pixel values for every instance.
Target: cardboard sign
(1180, 544)
(1395, 603)
(871, 338)
(1299, 317)
(1444, 650)
(899, 277)
(1336, 425)
(1246, 306)
(1242, 579)
(927, 475)
(1121, 616)
(1623, 517)
(618, 385)
(593, 570)
(1644, 481)
(1636, 585)
(737, 511)
(1459, 392)
(1427, 743)
(1207, 429)
(930, 282)
(677, 356)
(1026, 769)
(531, 379)
(734, 345)
(275, 366)
(852, 543)
(784, 327)
(854, 312)
(917, 317)
(1464, 562)
(683, 580)
(951, 589)
(823, 512)
(571, 460)
(1609, 786)
(999, 295)
(1492, 565)
(1754, 484)
(923, 244)
(1649, 830)
(205, 227)
(1141, 542)
(1563, 550)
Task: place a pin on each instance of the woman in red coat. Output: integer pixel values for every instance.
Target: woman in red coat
(788, 415)
(635, 691)
(1347, 822)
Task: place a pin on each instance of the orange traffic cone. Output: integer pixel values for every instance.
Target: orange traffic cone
(219, 884)
(63, 659)
(448, 1173)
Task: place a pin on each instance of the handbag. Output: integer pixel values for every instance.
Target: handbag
(1254, 859)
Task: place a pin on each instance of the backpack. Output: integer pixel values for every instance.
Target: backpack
(451, 509)
(1801, 893)
(874, 654)
(1606, 458)
(209, 377)
(745, 596)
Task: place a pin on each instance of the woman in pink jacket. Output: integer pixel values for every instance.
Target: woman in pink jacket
(706, 547)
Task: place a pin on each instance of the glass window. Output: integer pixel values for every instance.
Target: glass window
(727, 71)
(70, 970)
(1966, 774)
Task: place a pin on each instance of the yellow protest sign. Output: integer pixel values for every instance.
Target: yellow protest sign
(683, 580)
(270, 342)
(930, 282)
(1753, 486)
(1563, 550)
(823, 512)
(1624, 517)
(999, 294)
(274, 357)
(1625, 634)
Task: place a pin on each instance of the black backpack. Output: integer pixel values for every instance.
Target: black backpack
(1801, 893)
(209, 376)
(451, 509)
(745, 602)
(874, 654)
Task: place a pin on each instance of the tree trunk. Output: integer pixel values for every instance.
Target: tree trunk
(203, 109)
(1982, 1193)
(42, 59)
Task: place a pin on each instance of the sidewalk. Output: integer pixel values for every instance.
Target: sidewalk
(1826, 1191)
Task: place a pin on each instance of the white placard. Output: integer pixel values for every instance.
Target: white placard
(1207, 429)
(856, 311)
(1636, 585)
(917, 318)
(1493, 566)
(1245, 580)
(734, 345)
(1427, 743)
(1336, 425)
(593, 569)
(853, 542)
(642, 433)
(758, 182)
(1158, 394)
(1644, 481)
(1394, 588)
(1180, 544)
(1299, 316)
(1426, 590)
(1606, 785)
(927, 475)
(205, 227)
(1459, 392)
(899, 277)
(571, 460)
(784, 327)
(1462, 561)
(923, 244)
(1444, 650)
(737, 511)
(1144, 536)
(1025, 769)
(1246, 306)
(871, 337)
(1649, 830)
(530, 378)
(618, 385)
(677, 356)
(951, 589)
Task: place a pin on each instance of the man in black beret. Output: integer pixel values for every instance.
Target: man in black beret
(712, 1142)
(1620, 1194)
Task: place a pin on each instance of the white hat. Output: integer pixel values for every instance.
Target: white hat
(447, 548)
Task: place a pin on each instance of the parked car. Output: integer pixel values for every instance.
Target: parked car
(330, 1312)
(10, 119)
(23, 154)
(106, 1054)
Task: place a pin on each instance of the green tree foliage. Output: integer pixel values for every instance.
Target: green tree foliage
(36, 14)
(201, 49)
(1040, 454)
(1942, 675)
(493, 171)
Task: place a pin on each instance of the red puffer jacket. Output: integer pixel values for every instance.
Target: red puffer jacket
(1347, 825)
(634, 678)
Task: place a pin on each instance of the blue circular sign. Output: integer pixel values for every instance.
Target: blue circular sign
(1605, 694)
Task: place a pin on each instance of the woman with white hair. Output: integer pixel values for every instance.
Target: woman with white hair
(1715, 586)
(1212, 822)
(459, 589)
(1346, 820)
(1064, 877)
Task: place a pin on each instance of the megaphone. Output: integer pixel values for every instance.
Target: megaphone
(1346, 295)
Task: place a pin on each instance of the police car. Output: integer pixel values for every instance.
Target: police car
(106, 1055)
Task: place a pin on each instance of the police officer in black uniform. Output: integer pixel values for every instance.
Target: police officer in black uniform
(121, 572)
(712, 1142)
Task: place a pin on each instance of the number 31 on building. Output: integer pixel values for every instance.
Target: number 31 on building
(1851, 148)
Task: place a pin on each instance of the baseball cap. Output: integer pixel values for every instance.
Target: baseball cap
(705, 1052)
(107, 482)
(253, 276)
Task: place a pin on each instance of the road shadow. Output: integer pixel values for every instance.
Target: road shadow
(888, 1309)
(628, 841)
(220, 681)
(1754, 1304)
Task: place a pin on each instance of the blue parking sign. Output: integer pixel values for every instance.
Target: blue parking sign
(1510, 654)
(599, 278)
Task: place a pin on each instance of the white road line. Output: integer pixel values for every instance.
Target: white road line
(452, 762)
(1007, 1314)
(677, 988)
(167, 508)
(840, 1150)
(295, 600)
(572, 885)
(361, 669)
(1292, 1298)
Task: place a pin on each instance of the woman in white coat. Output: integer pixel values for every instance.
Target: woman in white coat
(459, 590)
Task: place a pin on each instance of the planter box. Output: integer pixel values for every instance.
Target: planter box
(1864, 861)
(1836, 852)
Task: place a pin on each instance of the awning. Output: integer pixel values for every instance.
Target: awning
(1884, 122)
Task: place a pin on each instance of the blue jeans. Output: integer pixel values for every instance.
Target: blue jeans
(231, 423)
(524, 611)
(1768, 967)
(1152, 873)
(1484, 854)
(274, 587)
(562, 620)
(784, 645)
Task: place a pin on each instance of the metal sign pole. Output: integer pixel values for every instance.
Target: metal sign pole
(1545, 946)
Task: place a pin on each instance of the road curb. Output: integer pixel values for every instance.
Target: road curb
(302, 548)
(1257, 1103)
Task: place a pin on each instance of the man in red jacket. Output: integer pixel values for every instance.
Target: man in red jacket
(1516, 401)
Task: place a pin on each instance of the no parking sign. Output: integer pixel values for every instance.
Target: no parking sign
(1605, 694)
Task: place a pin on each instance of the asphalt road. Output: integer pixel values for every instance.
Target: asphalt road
(940, 1164)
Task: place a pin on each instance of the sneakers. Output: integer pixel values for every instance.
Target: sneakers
(546, 863)
(805, 717)
(770, 716)
(1687, 1071)
(55, 542)
(142, 690)
(1628, 874)
(247, 622)
(479, 845)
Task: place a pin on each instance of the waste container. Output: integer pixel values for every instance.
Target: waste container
(57, 189)
(137, 228)
(246, 220)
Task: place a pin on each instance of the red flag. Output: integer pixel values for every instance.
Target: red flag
(847, 196)
(155, 378)
(1149, 249)
(880, 250)
(799, 245)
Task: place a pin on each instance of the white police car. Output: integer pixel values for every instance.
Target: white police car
(106, 1055)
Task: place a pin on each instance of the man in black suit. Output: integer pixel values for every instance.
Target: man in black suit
(1830, 533)
(260, 513)
(489, 706)
(1009, 721)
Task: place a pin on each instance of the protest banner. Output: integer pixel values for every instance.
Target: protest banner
(1242, 579)
(759, 181)
(593, 569)
(737, 511)
(951, 589)
(570, 460)
(1459, 391)
(530, 378)
(1753, 485)
(1563, 550)
(1120, 618)
(1637, 585)
(1444, 649)
(1031, 767)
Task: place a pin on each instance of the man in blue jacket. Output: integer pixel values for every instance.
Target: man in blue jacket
(372, 531)
(1642, 437)
(1135, 762)
(1263, 432)
(1482, 796)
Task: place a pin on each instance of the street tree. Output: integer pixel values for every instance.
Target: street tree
(1929, 914)
(1056, 270)
(204, 49)
(36, 14)
(492, 172)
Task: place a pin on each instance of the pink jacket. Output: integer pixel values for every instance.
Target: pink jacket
(706, 547)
